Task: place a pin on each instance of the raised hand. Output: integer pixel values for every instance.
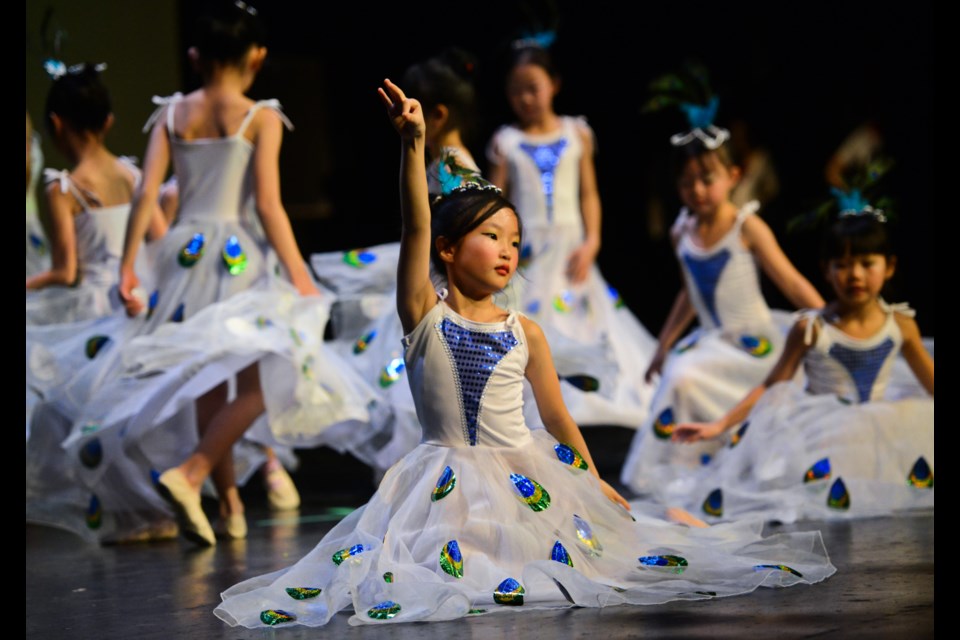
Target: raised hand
(405, 113)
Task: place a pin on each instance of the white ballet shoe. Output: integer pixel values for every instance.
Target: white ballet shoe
(233, 527)
(282, 494)
(185, 500)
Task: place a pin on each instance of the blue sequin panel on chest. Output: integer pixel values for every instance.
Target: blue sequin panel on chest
(863, 365)
(475, 355)
(546, 157)
(706, 273)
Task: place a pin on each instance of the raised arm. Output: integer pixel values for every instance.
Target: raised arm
(267, 129)
(63, 241)
(775, 263)
(546, 390)
(914, 352)
(142, 211)
(415, 294)
(784, 369)
(580, 261)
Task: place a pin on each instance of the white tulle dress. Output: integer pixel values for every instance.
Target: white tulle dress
(849, 441)
(216, 306)
(486, 515)
(737, 342)
(599, 347)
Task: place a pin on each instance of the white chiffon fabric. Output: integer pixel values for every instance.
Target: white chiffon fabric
(486, 515)
(856, 440)
(599, 347)
(737, 342)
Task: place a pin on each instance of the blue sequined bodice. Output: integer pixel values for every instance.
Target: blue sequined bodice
(466, 379)
(863, 365)
(475, 355)
(706, 273)
(546, 157)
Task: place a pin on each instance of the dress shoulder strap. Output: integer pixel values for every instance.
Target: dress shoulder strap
(814, 318)
(902, 308)
(747, 210)
(66, 185)
(162, 103)
(264, 104)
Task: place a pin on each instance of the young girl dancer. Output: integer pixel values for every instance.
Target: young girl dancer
(228, 301)
(545, 164)
(486, 514)
(850, 446)
(88, 205)
(719, 247)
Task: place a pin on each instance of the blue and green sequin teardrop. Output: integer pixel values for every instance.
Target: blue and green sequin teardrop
(559, 554)
(838, 498)
(384, 611)
(779, 567)
(713, 505)
(450, 559)
(234, 257)
(363, 342)
(302, 593)
(192, 251)
(343, 554)
(757, 346)
(94, 345)
(673, 564)
(569, 455)
(359, 258)
(446, 483)
(820, 470)
(921, 475)
(530, 491)
(509, 592)
(664, 424)
(274, 617)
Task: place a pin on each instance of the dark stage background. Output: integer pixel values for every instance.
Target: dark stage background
(801, 75)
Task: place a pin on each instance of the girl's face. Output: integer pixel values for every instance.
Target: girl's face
(705, 184)
(487, 257)
(858, 279)
(530, 90)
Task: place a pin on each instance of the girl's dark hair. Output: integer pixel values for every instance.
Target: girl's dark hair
(80, 99)
(856, 235)
(535, 55)
(446, 79)
(698, 150)
(455, 215)
(226, 31)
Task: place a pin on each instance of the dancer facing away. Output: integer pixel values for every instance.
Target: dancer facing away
(227, 302)
(719, 247)
(485, 513)
(545, 163)
(852, 445)
(88, 205)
